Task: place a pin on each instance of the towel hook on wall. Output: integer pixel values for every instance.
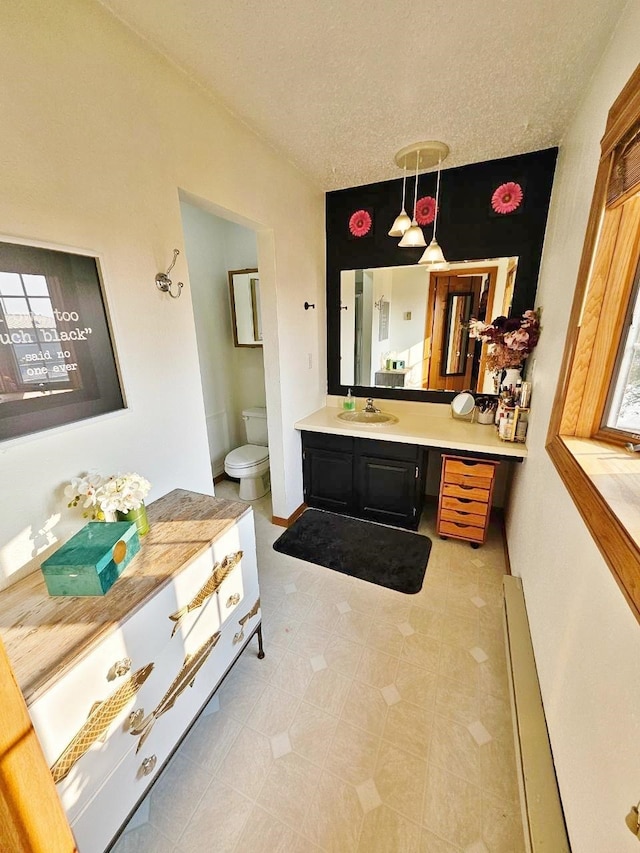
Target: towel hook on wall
(164, 283)
(308, 305)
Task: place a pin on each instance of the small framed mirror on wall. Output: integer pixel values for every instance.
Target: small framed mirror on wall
(244, 293)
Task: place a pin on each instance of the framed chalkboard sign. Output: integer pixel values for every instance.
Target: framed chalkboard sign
(57, 360)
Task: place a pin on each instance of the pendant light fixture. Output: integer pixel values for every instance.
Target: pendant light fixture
(402, 222)
(432, 255)
(413, 238)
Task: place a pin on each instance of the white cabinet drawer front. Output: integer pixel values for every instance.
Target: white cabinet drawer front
(101, 818)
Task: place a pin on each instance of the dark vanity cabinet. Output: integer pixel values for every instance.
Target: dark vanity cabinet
(380, 480)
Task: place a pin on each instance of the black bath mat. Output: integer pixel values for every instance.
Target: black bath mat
(384, 555)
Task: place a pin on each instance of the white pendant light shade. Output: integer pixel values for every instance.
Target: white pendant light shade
(401, 224)
(413, 238)
(432, 254)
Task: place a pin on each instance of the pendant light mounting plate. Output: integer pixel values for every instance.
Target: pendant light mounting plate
(423, 155)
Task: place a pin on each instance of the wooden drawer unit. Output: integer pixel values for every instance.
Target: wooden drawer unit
(464, 505)
(106, 680)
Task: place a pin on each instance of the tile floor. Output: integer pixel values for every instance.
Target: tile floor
(377, 722)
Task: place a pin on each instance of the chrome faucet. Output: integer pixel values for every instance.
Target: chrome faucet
(370, 409)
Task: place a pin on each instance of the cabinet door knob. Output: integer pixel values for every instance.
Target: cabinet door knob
(120, 668)
(135, 718)
(233, 599)
(149, 765)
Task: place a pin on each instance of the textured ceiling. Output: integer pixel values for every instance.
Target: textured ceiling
(339, 85)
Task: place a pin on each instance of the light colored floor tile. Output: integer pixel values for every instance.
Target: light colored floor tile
(143, 839)
(352, 754)
(288, 789)
(280, 745)
(400, 778)
(421, 650)
(175, 796)
(453, 748)
(456, 663)
(328, 690)
(368, 795)
(457, 700)
(239, 693)
(416, 685)
(498, 768)
(311, 732)
(409, 727)
(386, 831)
(501, 826)
(364, 597)
(479, 733)
(386, 637)
(221, 814)
(335, 816)
(274, 712)
(296, 605)
(247, 763)
(452, 807)
(311, 640)
(354, 626)
(323, 614)
(430, 843)
(343, 655)
(366, 707)
(263, 833)
(376, 668)
(390, 694)
(429, 622)
(293, 674)
(209, 740)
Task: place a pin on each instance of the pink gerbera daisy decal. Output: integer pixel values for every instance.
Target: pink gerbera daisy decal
(360, 223)
(507, 197)
(425, 210)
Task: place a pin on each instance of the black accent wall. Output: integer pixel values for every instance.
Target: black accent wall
(467, 229)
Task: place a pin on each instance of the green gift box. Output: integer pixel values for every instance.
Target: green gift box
(92, 560)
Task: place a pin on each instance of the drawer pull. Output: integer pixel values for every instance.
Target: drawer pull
(219, 573)
(185, 678)
(233, 599)
(135, 718)
(120, 668)
(149, 765)
(239, 637)
(98, 722)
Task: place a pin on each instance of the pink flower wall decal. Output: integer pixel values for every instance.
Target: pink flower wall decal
(425, 210)
(360, 223)
(507, 197)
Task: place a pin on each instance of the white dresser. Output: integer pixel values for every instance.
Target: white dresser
(113, 683)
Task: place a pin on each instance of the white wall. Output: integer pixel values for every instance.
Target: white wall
(232, 377)
(410, 291)
(99, 134)
(587, 643)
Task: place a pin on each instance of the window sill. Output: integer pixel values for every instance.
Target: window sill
(604, 483)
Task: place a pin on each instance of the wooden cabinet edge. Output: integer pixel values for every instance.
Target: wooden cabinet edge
(31, 816)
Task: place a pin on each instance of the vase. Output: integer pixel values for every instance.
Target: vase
(138, 515)
(511, 379)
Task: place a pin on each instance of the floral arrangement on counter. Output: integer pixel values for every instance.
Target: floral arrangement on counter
(511, 339)
(103, 496)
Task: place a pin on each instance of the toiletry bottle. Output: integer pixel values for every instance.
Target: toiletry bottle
(349, 402)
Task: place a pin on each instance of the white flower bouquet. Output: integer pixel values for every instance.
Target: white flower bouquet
(102, 496)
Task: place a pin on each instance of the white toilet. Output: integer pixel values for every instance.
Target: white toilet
(250, 463)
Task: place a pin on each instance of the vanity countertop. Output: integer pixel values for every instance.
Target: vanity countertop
(430, 425)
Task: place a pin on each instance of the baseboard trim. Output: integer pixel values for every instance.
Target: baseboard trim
(219, 478)
(287, 522)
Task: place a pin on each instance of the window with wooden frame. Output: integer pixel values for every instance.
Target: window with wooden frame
(596, 415)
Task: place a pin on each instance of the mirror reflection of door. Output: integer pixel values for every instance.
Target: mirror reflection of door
(455, 299)
(244, 293)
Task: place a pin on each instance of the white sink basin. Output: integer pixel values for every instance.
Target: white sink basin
(371, 418)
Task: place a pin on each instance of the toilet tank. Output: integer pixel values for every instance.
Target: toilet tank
(255, 421)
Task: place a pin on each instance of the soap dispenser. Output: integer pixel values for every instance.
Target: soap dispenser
(349, 402)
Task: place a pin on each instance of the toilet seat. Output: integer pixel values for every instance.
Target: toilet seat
(247, 456)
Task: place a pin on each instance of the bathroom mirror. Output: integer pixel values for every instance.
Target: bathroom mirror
(244, 292)
(422, 343)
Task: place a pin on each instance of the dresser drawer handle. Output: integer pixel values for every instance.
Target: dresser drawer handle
(239, 637)
(135, 718)
(149, 765)
(120, 668)
(233, 599)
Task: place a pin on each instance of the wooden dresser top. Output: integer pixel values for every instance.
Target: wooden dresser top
(44, 634)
